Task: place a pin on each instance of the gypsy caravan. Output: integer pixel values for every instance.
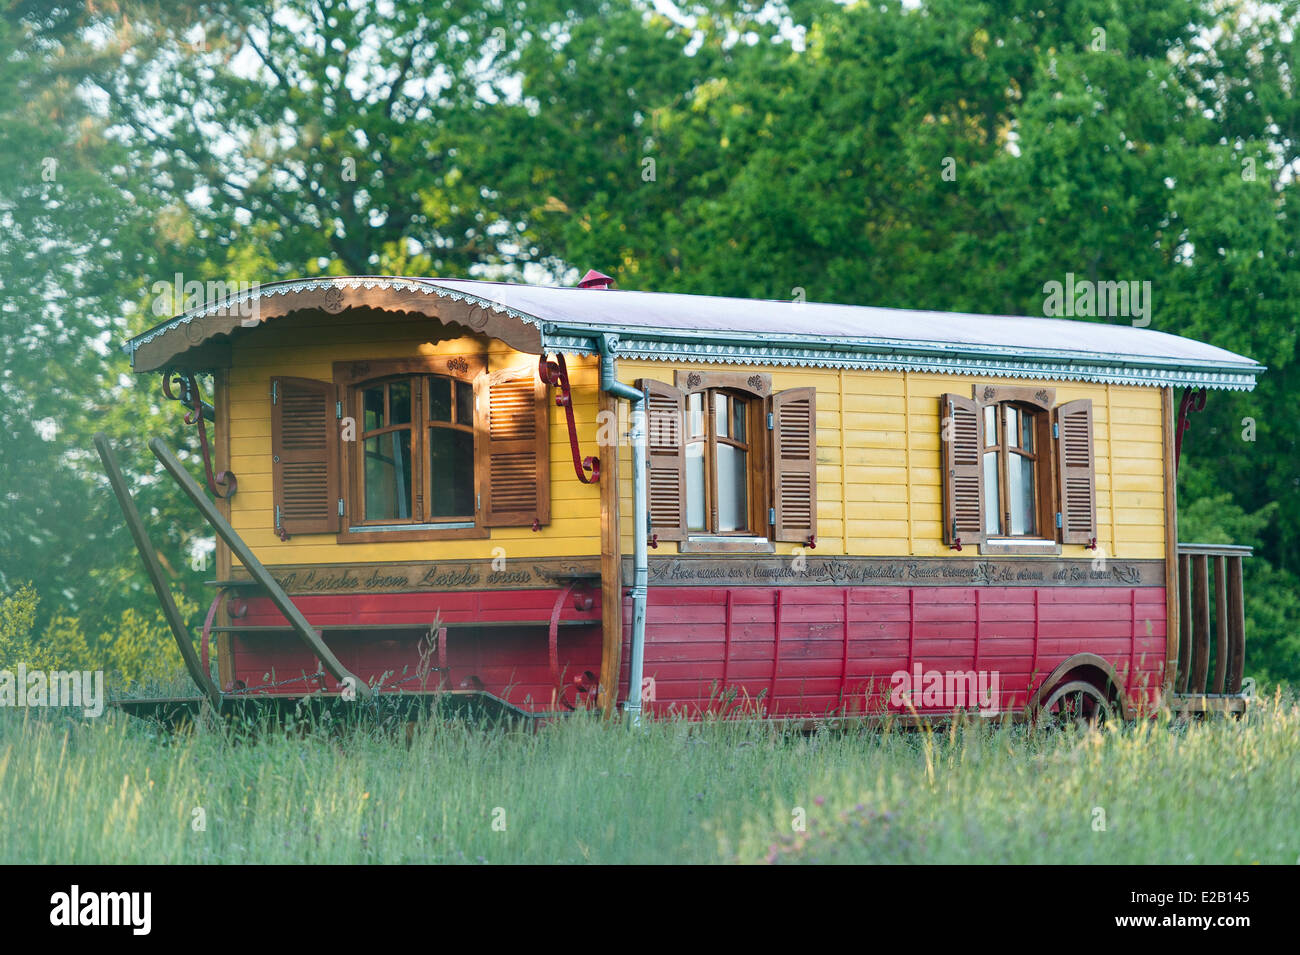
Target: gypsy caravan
(562, 498)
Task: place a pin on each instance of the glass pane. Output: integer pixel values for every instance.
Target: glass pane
(1020, 489)
(1013, 427)
(733, 501)
(992, 504)
(720, 422)
(990, 425)
(373, 402)
(439, 399)
(399, 402)
(695, 415)
(695, 485)
(1027, 431)
(464, 403)
(388, 476)
(738, 421)
(451, 473)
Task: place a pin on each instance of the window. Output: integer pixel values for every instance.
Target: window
(717, 462)
(732, 465)
(1011, 470)
(410, 449)
(1017, 470)
(417, 439)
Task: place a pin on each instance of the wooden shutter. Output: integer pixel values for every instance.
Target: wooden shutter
(794, 464)
(666, 446)
(963, 478)
(305, 441)
(512, 447)
(1075, 473)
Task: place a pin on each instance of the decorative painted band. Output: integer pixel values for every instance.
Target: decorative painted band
(442, 575)
(710, 571)
(900, 571)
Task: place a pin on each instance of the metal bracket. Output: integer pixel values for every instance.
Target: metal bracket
(224, 595)
(1193, 400)
(582, 691)
(556, 373)
(199, 414)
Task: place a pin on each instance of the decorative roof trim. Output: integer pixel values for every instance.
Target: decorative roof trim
(297, 286)
(865, 357)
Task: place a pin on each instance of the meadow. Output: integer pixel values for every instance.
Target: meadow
(119, 790)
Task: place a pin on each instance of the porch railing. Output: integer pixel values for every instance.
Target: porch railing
(1211, 619)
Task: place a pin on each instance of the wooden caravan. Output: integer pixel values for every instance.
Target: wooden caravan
(574, 497)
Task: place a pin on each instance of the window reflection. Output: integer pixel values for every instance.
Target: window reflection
(992, 495)
(696, 492)
(388, 476)
(733, 497)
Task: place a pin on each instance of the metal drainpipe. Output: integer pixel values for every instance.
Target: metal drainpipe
(640, 519)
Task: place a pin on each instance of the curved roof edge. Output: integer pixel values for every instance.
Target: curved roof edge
(695, 328)
(180, 339)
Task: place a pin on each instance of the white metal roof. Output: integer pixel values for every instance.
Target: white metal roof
(679, 327)
(681, 317)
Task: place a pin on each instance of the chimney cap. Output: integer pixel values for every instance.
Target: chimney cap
(594, 279)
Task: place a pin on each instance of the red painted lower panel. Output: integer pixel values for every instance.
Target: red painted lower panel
(387, 635)
(779, 652)
(790, 652)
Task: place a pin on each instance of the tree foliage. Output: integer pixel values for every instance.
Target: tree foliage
(948, 155)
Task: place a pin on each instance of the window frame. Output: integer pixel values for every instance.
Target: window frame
(1039, 403)
(452, 424)
(755, 390)
(710, 439)
(352, 379)
(1004, 449)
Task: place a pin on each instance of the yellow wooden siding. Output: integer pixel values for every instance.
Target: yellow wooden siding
(878, 477)
(309, 350)
(879, 487)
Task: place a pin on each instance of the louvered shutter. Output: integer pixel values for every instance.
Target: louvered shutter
(305, 440)
(666, 445)
(963, 478)
(513, 448)
(794, 464)
(1074, 462)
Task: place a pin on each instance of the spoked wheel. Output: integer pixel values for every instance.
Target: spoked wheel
(1076, 703)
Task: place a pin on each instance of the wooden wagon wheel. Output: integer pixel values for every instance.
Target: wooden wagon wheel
(1075, 702)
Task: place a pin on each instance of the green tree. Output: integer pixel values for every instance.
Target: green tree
(947, 155)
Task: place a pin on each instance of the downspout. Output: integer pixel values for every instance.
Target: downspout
(640, 518)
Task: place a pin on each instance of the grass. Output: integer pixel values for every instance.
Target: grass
(115, 790)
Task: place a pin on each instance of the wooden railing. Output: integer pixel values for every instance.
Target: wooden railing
(1202, 640)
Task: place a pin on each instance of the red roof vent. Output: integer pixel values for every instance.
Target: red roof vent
(594, 279)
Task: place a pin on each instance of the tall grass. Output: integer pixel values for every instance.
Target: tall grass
(116, 790)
